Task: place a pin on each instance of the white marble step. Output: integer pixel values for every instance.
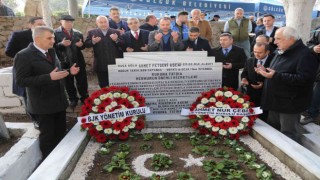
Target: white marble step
(311, 140)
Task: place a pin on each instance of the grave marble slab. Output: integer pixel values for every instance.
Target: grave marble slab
(3, 128)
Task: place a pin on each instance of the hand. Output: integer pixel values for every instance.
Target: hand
(74, 70)
(244, 81)
(267, 73)
(316, 48)
(95, 39)
(145, 48)
(57, 75)
(175, 36)
(114, 37)
(79, 43)
(122, 31)
(129, 49)
(227, 66)
(65, 42)
(189, 49)
(259, 86)
(158, 37)
(259, 66)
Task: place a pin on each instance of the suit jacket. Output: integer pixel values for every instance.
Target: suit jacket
(18, 41)
(45, 96)
(205, 29)
(123, 25)
(106, 51)
(154, 46)
(148, 27)
(202, 44)
(237, 57)
(273, 46)
(250, 74)
(126, 37)
(291, 87)
(71, 54)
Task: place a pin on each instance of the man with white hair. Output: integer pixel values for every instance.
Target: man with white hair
(203, 25)
(239, 27)
(289, 79)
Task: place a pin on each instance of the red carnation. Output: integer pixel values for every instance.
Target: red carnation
(234, 123)
(195, 125)
(230, 89)
(124, 89)
(193, 106)
(123, 135)
(88, 101)
(250, 124)
(213, 122)
(130, 106)
(124, 102)
(192, 116)
(86, 107)
(236, 92)
(198, 99)
(142, 104)
(234, 136)
(101, 108)
(252, 104)
(224, 125)
(114, 88)
(244, 132)
(237, 105)
(214, 134)
(95, 94)
(252, 118)
(246, 97)
(127, 121)
(220, 89)
(86, 125)
(251, 110)
(203, 131)
(93, 132)
(106, 124)
(104, 90)
(118, 126)
(83, 120)
(84, 113)
(220, 98)
(206, 94)
(229, 101)
(139, 124)
(206, 118)
(107, 101)
(134, 93)
(101, 138)
(112, 136)
(212, 91)
(211, 104)
(140, 99)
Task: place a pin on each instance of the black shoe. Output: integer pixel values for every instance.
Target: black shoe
(73, 104)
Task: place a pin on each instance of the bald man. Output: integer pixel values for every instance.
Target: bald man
(106, 43)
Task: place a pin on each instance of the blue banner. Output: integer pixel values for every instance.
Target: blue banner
(269, 8)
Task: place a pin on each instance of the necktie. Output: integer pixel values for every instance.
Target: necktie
(67, 33)
(226, 52)
(260, 62)
(49, 58)
(136, 35)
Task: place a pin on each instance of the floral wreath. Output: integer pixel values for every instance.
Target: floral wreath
(223, 126)
(112, 99)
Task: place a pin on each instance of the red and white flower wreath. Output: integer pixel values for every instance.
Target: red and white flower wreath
(223, 126)
(112, 99)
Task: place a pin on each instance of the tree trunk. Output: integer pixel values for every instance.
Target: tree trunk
(73, 8)
(299, 16)
(46, 12)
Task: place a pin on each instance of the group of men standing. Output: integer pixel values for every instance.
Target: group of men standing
(47, 61)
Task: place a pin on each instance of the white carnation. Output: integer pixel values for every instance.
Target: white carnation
(227, 119)
(212, 116)
(95, 108)
(240, 126)
(134, 118)
(135, 104)
(124, 95)
(219, 119)
(99, 128)
(218, 93)
(200, 106)
(108, 131)
(240, 100)
(226, 106)
(109, 95)
(116, 95)
(103, 96)
(132, 125)
(223, 132)
(125, 129)
(228, 94)
(233, 130)
(219, 104)
(201, 123)
(113, 121)
(96, 123)
(208, 124)
(204, 100)
(114, 104)
(235, 97)
(96, 101)
(116, 132)
(131, 98)
(215, 129)
(212, 99)
(245, 119)
(120, 119)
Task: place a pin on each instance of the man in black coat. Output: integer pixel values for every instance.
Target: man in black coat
(39, 70)
(106, 43)
(252, 80)
(68, 46)
(18, 41)
(150, 24)
(135, 40)
(233, 59)
(269, 30)
(289, 80)
(195, 42)
(115, 21)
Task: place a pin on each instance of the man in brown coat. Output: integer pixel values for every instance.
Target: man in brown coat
(203, 25)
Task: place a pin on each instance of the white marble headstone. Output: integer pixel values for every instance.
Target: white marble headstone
(3, 129)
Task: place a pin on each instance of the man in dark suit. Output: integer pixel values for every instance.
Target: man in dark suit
(106, 43)
(115, 21)
(18, 41)
(233, 59)
(135, 40)
(252, 80)
(195, 42)
(150, 24)
(39, 70)
(287, 90)
(68, 46)
(165, 39)
(269, 30)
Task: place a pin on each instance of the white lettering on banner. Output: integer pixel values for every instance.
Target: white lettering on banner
(114, 115)
(222, 111)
